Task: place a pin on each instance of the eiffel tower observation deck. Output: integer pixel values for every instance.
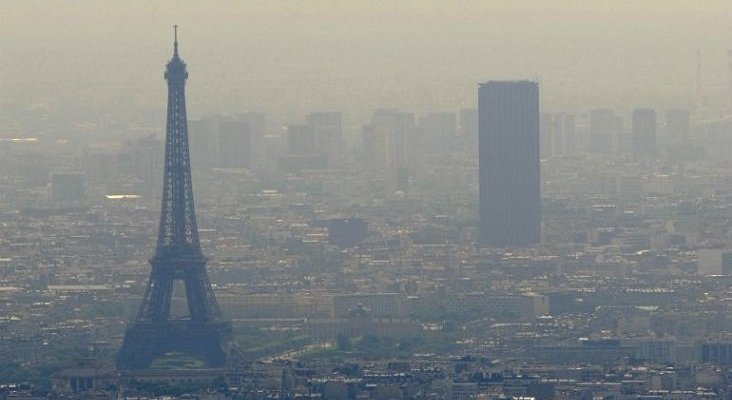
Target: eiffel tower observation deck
(204, 333)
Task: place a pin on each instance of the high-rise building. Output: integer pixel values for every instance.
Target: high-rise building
(469, 122)
(203, 135)
(101, 167)
(235, 144)
(564, 124)
(328, 130)
(510, 195)
(301, 140)
(302, 151)
(677, 125)
(67, 188)
(606, 129)
(437, 134)
(256, 129)
(386, 152)
(644, 134)
(139, 161)
(557, 135)
(546, 136)
(227, 142)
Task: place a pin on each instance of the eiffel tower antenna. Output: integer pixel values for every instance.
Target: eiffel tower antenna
(175, 41)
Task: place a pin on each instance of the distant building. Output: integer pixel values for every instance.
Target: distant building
(677, 125)
(726, 263)
(257, 126)
(74, 380)
(603, 351)
(385, 146)
(606, 129)
(437, 133)
(644, 134)
(227, 142)
(235, 144)
(346, 232)
(509, 164)
(378, 305)
(710, 261)
(558, 135)
(328, 130)
(717, 353)
(203, 135)
(67, 188)
(140, 162)
(302, 150)
(301, 140)
(469, 121)
(100, 167)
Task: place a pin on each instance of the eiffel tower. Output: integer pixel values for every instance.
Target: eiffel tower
(204, 334)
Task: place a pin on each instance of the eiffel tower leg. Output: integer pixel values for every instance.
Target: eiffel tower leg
(162, 293)
(193, 295)
(145, 342)
(155, 304)
(142, 345)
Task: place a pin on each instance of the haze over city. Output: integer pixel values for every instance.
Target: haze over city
(375, 200)
(291, 57)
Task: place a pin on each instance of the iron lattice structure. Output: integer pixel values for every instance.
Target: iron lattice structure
(204, 333)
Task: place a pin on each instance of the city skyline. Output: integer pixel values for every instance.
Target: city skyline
(369, 224)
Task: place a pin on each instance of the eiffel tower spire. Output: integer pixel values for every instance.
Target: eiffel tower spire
(178, 233)
(204, 332)
(175, 40)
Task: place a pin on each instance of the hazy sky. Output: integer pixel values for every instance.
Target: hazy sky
(290, 57)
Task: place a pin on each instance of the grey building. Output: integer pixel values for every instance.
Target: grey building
(644, 134)
(328, 130)
(677, 126)
(235, 144)
(558, 135)
(67, 188)
(469, 122)
(509, 164)
(605, 131)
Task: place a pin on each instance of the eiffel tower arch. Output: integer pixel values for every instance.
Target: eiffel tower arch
(204, 333)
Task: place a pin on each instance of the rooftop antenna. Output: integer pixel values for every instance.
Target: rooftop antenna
(175, 43)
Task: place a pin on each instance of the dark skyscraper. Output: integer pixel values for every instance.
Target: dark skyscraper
(509, 164)
(203, 333)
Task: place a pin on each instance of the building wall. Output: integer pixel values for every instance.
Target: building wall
(509, 164)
